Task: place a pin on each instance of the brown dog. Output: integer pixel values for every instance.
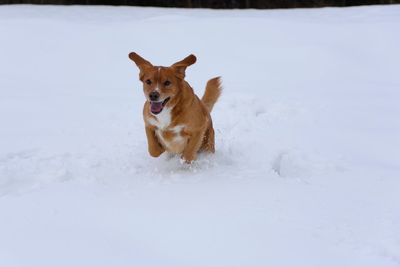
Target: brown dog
(176, 120)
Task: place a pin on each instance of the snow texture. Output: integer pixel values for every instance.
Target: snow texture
(307, 166)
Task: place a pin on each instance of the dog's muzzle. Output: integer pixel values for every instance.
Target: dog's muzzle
(157, 106)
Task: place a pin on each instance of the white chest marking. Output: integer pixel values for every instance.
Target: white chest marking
(177, 130)
(162, 120)
(178, 138)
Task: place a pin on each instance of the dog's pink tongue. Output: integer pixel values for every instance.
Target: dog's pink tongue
(156, 107)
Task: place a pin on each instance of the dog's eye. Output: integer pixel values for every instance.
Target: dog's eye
(166, 83)
(148, 81)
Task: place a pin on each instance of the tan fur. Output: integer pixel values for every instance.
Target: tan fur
(212, 93)
(184, 126)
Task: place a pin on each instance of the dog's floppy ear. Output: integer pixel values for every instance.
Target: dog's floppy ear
(142, 63)
(181, 66)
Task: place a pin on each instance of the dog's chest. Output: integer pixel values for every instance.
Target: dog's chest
(172, 138)
(162, 120)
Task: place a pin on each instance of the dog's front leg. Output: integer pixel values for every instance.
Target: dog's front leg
(155, 148)
(190, 152)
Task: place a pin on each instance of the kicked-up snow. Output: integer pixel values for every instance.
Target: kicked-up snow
(307, 168)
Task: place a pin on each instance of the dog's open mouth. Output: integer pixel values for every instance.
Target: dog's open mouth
(157, 107)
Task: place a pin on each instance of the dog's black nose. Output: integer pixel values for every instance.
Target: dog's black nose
(154, 96)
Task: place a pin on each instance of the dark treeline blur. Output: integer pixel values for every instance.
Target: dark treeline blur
(211, 3)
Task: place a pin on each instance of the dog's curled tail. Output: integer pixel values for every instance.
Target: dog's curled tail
(212, 93)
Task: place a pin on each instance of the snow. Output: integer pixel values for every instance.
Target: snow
(307, 166)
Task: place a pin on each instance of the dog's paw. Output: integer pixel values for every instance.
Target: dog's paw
(185, 161)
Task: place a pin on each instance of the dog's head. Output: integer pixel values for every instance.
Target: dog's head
(161, 84)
